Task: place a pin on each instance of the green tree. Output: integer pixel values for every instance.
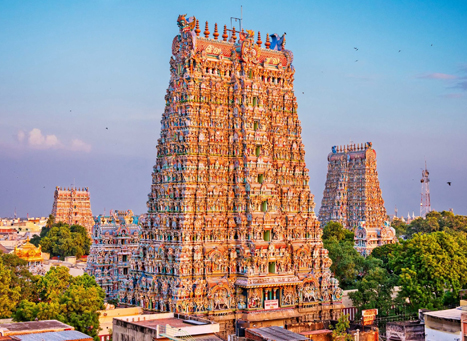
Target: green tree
(346, 261)
(340, 329)
(333, 229)
(383, 253)
(20, 276)
(9, 295)
(63, 240)
(374, 291)
(400, 226)
(50, 221)
(72, 300)
(431, 268)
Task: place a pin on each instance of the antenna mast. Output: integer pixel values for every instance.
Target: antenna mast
(425, 203)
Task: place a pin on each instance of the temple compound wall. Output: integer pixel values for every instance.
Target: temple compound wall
(231, 232)
(352, 196)
(73, 206)
(114, 239)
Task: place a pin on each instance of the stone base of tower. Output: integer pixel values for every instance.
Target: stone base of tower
(294, 319)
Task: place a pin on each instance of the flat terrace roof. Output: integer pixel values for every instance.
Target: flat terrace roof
(27, 327)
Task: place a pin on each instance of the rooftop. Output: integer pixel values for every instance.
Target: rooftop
(449, 314)
(33, 326)
(66, 335)
(275, 333)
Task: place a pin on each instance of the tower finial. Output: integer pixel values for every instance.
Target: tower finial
(234, 36)
(259, 42)
(267, 44)
(225, 35)
(197, 30)
(216, 33)
(206, 31)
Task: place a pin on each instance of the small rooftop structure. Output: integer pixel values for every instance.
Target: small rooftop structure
(273, 333)
(444, 324)
(161, 326)
(33, 327)
(67, 335)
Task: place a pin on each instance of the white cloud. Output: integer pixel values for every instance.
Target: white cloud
(37, 140)
(80, 146)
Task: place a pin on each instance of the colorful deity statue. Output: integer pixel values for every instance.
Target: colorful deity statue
(230, 212)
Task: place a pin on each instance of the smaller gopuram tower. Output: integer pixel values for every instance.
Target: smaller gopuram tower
(73, 206)
(114, 238)
(352, 193)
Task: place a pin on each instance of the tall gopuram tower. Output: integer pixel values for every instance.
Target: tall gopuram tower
(352, 193)
(230, 231)
(73, 206)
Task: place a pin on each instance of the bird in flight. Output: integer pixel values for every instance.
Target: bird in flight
(303, 93)
(107, 128)
(356, 60)
(356, 49)
(400, 50)
(449, 183)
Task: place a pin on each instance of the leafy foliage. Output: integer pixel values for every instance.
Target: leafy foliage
(374, 291)
(21, 278)
(333, 229)
(9, 294)
(72, 300)
(63, 240)
(431, 268)
(340, 329)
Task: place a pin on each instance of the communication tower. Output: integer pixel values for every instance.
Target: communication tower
(425, 204)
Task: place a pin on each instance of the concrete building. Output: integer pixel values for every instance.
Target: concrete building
(445, 325)
(163, 326)
(405, 331)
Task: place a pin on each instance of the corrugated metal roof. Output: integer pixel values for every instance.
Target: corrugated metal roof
(65, 335)
(278, 334)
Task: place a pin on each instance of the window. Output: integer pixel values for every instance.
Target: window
(125, 271)
(255, 100)
(272, 267)
(264, 206)
(255, 125)
(125, 258)
(267, 235)
(260, 178)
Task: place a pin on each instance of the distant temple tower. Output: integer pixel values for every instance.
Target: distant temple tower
(231, 232)
(115, 238)
(73, 206)
(425, 203)
(352, 193)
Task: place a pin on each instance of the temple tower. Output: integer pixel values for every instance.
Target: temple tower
(352, 193)
(114, 238)
(231, 232)
(73, 206)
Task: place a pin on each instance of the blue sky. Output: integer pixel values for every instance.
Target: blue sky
(71, 69)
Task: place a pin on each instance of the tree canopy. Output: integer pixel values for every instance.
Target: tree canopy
(64, 240)
(60, 296)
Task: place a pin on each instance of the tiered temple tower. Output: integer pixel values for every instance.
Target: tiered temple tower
(73, 206)
(352, 193)
(231, 232)
(114, 238)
